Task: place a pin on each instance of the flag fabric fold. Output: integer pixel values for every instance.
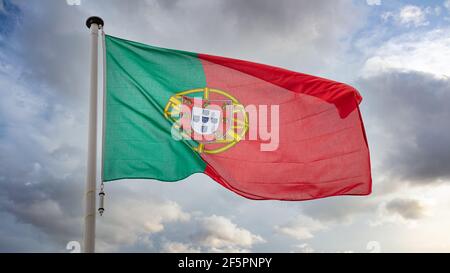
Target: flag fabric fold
(321, 148)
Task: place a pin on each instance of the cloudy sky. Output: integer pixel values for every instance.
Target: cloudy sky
(396, 52)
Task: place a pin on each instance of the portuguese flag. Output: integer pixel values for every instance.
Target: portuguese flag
(260, 131)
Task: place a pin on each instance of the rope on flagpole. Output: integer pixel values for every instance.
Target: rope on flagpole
(101, 194)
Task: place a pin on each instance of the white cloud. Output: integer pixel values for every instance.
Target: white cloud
(303, 248)
(412, 15)
(130, 222)
(219, 234)
(176, 247)
(447, 5)
(373, 2)
(302, 228)
(409, 16)
(388, 15)
(73, 2)
(437, 11)
(214, 234)
(427, 52)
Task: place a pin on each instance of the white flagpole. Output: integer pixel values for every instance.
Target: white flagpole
(93, 23)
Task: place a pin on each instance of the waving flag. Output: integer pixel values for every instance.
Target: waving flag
(260, 131)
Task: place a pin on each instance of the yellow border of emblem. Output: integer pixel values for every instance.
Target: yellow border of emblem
(173, 106)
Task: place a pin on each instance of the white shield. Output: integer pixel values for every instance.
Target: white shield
(205, 121)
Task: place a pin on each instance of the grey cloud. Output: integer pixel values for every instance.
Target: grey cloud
(302, 228)
(176, 247)
(134, 222)
(261, 18)
(210, 233)
(339, 209)
(408, 116)
(53, 48)
(409, 209)
(52, 40)
(311, 35)
(219, 234)
(40, 179)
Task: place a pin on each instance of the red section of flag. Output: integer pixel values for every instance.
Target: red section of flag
(322, 147)
(344, 97)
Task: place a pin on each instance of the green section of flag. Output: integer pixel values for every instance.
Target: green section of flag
(137, 138)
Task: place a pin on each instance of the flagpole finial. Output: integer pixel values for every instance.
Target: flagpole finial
(94, 20)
